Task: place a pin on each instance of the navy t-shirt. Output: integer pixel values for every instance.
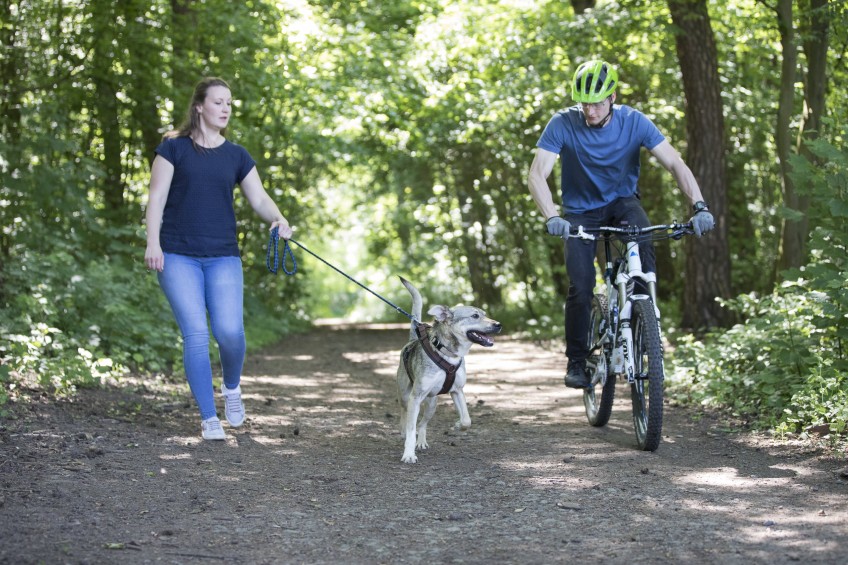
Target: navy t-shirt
(199, 219)
(599, 165)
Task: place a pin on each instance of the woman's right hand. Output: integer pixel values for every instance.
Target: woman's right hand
(154, 258)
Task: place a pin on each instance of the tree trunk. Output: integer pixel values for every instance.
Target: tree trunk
(580, 6)
(145, 85)
(12, 71)
(186, 67)
(816, 45)
(796, 230)
(708, 258)
(791, 246)
(107, 108)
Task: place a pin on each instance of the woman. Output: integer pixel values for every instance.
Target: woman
(192, 244)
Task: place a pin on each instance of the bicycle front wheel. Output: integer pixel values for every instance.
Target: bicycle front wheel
(646, 392)
(599, 396)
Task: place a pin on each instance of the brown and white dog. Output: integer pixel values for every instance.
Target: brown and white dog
(432, 364)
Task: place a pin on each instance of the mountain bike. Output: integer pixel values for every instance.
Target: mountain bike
(625, 337)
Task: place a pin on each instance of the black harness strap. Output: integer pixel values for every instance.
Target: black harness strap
(441, 362)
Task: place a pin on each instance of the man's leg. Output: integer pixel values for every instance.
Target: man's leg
(580, 265)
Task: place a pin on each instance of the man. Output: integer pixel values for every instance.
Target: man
(599, 143)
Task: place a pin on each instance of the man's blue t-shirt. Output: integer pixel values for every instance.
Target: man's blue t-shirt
(599, 165)
(199, 219)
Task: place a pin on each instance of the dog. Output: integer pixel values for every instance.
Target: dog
(432, 363)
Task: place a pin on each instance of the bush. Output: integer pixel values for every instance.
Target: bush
(786, 365)
(72, 323)
(70, 320)
(783, 367)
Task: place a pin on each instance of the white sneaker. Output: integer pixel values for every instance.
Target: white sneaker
(233, 406)
(212, 428)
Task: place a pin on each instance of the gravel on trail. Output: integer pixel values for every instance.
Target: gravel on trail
(121, 475)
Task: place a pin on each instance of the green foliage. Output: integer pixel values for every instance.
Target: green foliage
(786, 366)
(756, 367)
(7, 385)
(73, 320)
(395, 136)
(76, 305)
(823, 401)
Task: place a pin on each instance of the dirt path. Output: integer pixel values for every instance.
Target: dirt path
(315, 475)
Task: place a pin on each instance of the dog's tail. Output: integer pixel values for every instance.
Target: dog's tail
(417, 304)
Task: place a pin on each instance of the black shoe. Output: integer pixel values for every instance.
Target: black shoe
(576, 376)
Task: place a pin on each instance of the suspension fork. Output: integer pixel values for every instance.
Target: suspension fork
(623, 360)
(622, 357)
(624, 352)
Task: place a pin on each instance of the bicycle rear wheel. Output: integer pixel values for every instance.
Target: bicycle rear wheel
(647, 390)
(598, 398)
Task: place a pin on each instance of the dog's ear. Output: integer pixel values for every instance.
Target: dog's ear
(441, 313)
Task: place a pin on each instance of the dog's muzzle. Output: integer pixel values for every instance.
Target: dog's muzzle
(483, 339)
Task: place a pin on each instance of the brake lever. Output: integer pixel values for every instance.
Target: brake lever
(582, 234)
(680, 230)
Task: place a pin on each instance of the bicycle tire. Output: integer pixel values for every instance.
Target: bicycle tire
(598, 398)
(646, 392)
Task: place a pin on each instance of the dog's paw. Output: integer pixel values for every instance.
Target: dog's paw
(422, 444)
(460, 425)
(407, 458)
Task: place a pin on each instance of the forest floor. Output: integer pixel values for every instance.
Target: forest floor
(314, 476)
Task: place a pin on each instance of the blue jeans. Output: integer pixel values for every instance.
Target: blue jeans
(580, 265)
(193, 287)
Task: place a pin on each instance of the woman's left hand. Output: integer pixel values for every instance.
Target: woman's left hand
(283, 229)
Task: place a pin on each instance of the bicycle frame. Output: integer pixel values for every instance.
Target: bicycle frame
(625, 269)
(625, 338)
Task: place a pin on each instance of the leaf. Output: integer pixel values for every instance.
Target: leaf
(839, 208)
(790, 214)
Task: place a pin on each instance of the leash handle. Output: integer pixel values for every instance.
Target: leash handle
(274, 242)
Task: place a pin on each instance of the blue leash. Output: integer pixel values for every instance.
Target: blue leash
(275, 238)
(273, 244)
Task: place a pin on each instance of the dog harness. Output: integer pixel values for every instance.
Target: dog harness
(441, 362)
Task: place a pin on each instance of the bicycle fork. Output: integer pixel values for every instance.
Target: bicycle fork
(623, 354)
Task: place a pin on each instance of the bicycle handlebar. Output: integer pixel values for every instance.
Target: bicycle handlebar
(675, 231)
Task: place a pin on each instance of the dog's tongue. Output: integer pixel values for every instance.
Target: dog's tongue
(481, 339)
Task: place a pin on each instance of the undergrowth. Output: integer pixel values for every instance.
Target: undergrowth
(69, 321)
(785, 368)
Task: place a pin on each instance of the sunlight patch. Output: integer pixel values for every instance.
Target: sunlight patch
(730, 478)
(178, 456)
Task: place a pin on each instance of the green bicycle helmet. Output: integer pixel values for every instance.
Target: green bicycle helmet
(593, 82)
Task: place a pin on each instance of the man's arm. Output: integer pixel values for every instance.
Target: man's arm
(703, 220)
(671, 160)
(537, 180)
